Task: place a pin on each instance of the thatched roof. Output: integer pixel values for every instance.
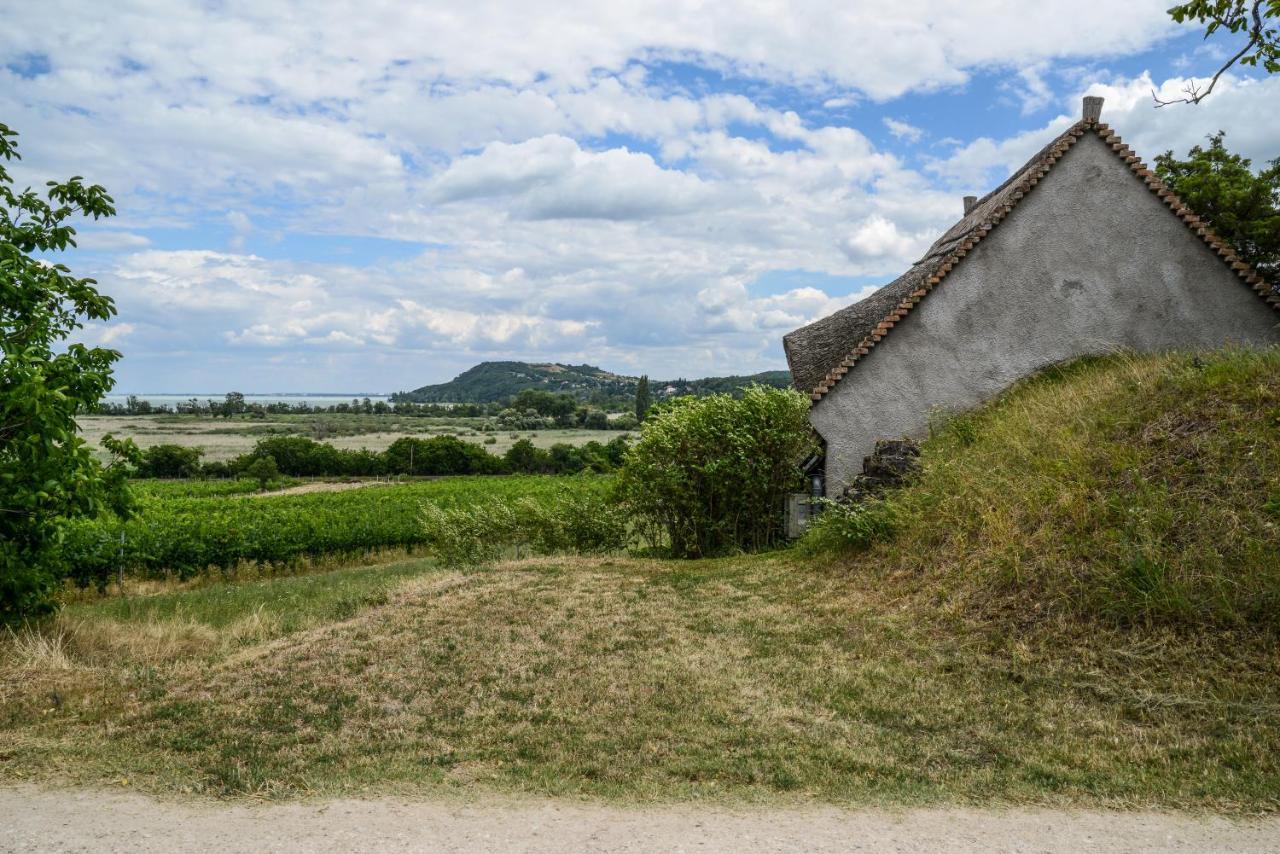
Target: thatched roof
(821, 353)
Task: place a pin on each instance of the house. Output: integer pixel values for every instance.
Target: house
(1081, 251)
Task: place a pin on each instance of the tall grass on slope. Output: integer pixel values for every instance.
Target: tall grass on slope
(1128, 489)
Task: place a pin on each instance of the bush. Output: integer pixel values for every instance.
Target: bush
(525, 458)
(263, 470)
(473, 534)
(218, 469)
(711, 475)
(439, 455)
(849, 527)
(296, 456)
(625, 421)
(170, 461)
(573, 521)
(576, 522)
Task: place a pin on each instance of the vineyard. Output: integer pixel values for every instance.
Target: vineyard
(188, 527)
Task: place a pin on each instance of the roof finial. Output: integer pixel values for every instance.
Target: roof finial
(969, 202)
(1092, 108)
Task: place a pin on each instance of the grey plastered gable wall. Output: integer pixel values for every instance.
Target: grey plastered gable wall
(1090, 261)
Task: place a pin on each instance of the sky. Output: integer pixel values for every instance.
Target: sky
(368, 197)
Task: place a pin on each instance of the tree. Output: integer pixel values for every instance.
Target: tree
(170, 461)
(549, 404)
(643, 400)
(1241, 207)
(711, 474)
(234, 404)
(524, 458)
(1258, 19)
(48, 476)
(263, 470)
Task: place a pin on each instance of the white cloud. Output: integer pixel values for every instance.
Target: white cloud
(551, 177)
(1236, 106)
(1032, 90)
(877, 237)
(241, 228)
(305, 54)
(105, 334)
(1130, 109)
(903, 130)
(572, 198)
(110, 239)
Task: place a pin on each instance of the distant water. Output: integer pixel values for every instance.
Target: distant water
(300, 397)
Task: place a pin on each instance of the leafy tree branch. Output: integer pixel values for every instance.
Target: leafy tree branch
(1256, 18)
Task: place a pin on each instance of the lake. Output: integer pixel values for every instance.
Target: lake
(310, 399)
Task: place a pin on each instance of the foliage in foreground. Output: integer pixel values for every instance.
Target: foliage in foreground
(710, 476)
(1257, 20)
(1126, 490)
(47, 474)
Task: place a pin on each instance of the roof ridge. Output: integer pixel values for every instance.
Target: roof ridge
(1055, 151)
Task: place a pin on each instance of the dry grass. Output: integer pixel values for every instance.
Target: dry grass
(739, 679)
(222, 440)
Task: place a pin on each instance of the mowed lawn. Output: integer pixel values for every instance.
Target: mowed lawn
(754, 678)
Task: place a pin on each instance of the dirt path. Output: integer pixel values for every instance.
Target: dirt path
(33, 819)
(317, 486)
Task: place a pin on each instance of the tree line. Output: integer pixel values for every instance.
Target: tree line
(531, 409)
(298, 456)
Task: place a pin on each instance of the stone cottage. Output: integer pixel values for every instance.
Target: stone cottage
(1082, 251)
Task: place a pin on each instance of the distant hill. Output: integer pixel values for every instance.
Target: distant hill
(489, 382)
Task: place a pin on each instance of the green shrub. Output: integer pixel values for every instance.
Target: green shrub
(525, 458)
(473, 534)
(571, 521)
(170, 461)
(711, 475)
(263, 470)
(842, 527)
(439, 455)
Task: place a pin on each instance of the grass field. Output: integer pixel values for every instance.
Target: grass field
(1075, 605)
(222, 439)
(750, 678)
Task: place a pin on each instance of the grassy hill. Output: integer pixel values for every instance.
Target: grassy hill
(1124, 490)
(496, 381)
(1077, 606)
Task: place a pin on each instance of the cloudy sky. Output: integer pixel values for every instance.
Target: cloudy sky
(376, 195)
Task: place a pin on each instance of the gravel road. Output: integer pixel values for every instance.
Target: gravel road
(35, 819)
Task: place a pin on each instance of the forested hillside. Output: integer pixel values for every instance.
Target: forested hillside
(489, 382)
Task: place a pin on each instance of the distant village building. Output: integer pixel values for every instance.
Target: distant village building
(1081, 251)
